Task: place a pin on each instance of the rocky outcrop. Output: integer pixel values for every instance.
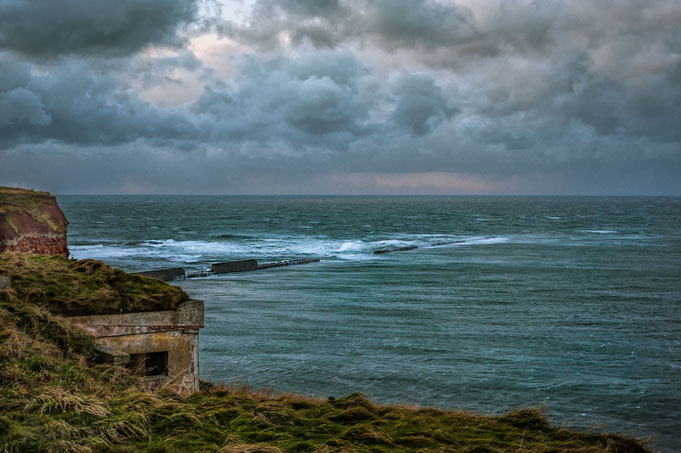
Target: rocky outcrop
(32, 222)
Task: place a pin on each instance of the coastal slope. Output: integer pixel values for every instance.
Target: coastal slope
(53, 397)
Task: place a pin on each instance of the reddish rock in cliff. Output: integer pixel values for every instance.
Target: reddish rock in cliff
(31, 222)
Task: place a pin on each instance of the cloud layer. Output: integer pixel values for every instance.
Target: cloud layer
(344, 96)
(50, 28)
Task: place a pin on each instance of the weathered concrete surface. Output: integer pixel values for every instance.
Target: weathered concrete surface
(31, 222)
(234, 266)
(398, 249)
(288, 263)
(175, 332)
(106, 354)
(165, 274)
(5, 282)
(182, 348)
(153, 384)
(188, 315)
(247, 265)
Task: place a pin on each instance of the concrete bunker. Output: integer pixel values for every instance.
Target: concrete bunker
(137, 321)
(162, 346)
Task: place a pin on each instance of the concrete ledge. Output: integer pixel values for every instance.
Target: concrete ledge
(112, 356)
(188, 315)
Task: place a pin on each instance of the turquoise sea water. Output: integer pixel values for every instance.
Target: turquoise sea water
(569, 303)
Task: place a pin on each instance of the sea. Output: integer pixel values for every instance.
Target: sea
(570, 304)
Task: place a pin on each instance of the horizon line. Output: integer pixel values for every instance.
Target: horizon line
(203, 194)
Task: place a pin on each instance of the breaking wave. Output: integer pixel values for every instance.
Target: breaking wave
(192, 251)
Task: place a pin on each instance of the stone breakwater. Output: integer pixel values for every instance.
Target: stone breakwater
(31, 222)
(229, 267)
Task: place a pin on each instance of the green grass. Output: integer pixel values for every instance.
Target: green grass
(14, 199)
(82, 287)
(54, 399)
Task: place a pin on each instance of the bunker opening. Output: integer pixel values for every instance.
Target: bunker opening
(150, 363)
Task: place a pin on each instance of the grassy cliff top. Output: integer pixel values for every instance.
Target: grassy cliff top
(85, 287)
(25, 197)
(54, 399)
(15, 199)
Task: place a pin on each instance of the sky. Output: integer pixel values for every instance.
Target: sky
(550, 97)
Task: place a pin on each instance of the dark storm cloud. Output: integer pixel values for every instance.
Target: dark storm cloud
(155, 71)
(71, 104)
(46, 28)
(413, 23)
(321, 96)
(420, 105)
(317, 99)
(322, 22)
(451, 32)
(324, 99)
(393, 23)
(612, 66)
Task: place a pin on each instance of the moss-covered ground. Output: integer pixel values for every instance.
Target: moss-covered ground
(54, 399)
(82, 287)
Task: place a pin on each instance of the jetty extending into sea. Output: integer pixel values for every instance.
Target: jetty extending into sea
(178, 273)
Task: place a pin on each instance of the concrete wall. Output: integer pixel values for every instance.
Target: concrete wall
(182, 348)
(165, 274)
(234, 266)
(188, 315)
(176, 332)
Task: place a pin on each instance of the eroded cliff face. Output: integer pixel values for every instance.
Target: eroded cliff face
(31, 221)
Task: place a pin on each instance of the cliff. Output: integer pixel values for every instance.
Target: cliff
(31, 222)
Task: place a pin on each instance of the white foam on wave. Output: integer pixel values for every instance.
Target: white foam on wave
(467, 241)
(105, 252)
(388, 243)
(601, 231)
(197, 247)
(485, 240)
(277, 246)
(285, 246)
(85, 247)
(100, 251)
(352, 246)
(355, 256)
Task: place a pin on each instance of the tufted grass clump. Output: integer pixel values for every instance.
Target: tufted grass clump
(53, 398)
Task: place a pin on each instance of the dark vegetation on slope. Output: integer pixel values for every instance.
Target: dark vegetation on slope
(53, 399)
(82, 287)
